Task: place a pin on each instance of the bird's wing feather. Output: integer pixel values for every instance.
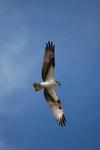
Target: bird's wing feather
(55, 105)
(48, 62)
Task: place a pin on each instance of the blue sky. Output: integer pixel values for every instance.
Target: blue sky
(26, 122)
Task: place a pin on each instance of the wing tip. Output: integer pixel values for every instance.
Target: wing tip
(50, 45)
(62, 122)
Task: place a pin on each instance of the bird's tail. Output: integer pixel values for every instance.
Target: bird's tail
(37, 86)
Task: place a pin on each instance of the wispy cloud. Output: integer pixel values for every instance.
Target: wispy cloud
(6, 146)
(14, 65)
(3, 146)
(18, 62)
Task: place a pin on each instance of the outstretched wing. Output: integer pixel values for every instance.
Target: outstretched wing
(49, 62)
(55, 105)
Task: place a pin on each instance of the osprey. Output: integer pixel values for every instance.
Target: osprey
(49, 84)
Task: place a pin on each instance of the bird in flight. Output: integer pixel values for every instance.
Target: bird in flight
(49, 84)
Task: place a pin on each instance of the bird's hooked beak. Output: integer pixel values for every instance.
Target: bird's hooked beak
(58, 83)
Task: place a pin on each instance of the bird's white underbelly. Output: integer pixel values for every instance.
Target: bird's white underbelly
(50, 83)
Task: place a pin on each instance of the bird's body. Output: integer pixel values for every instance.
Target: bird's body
(49, 84)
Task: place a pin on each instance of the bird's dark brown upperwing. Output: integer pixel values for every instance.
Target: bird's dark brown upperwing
(48, 62)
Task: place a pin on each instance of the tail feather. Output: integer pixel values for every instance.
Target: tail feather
(37, 86)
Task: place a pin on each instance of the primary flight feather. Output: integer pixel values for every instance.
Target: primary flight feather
(49, 84)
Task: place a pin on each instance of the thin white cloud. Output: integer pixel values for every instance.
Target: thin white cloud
(14, 67)
(5, 146)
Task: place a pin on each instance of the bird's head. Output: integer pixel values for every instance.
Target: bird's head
(58, 83)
